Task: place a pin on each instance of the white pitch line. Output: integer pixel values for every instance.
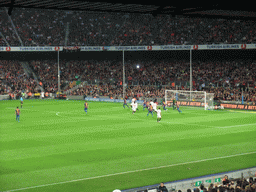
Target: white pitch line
(122, 173)
(212, 126)
(237, 125)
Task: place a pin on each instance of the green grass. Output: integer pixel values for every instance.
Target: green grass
(57, 143)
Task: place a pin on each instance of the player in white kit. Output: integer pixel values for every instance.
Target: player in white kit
(159, 115)
(154, 107)
(134, 107)
(42, 95)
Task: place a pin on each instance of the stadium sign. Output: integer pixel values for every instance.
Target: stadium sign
(129, 48)
(110, 100)
(175, 47)
(134, 48)
(238, 106)
(195, 47)
(243, 46)
(93, 48)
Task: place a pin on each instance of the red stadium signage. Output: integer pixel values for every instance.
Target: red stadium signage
(149, 48)
(243, 46)
(8, 48)
(195, 47)
(226, 105)
(57, 48)
(104, 49)
(188, 103)
(238, 106)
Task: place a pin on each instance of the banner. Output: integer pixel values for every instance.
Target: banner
(25, 49)
(239, 106)
(222, 106)
(111, 100)
(188, 103)
(132, 48)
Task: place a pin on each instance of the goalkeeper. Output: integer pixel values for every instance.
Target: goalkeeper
(173, 103)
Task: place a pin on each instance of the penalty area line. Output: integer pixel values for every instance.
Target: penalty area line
(127, 172)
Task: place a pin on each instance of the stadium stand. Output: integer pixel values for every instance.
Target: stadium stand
(48, 27)
(225, 79)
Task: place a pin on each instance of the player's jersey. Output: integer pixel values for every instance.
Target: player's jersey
(177, 105)
(124, 101)
(152, 103)
(134, 106)
(133, 100)
(86, 105)
(144, 103)
(147, 104)
(154, 106)
(158, 113)
(42, 94)
(17, 111)
(164, 103)
(150, 108)
(21, 99)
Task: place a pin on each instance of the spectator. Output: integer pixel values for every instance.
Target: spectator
(225, 180)
(162, 188)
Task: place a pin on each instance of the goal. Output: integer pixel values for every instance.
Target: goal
(190, 98)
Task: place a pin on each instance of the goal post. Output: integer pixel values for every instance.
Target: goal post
(190, 98)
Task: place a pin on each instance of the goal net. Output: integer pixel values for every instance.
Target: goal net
(190, 98)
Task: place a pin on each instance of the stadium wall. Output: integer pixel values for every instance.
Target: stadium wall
(192, 183)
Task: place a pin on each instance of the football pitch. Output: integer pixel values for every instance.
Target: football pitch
(56, 146)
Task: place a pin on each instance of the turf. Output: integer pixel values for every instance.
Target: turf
(56, 146)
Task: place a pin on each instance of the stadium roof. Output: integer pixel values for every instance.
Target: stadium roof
(186, 8)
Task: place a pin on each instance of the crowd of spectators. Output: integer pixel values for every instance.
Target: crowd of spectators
(228, 80)
(14, 80)
(236, 185)
(47, 74)
(37, 27)
(34, 27)
(233, 185)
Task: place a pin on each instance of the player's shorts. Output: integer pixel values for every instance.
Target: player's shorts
(158, 116)
(134, 109)
(21, 102)
(85, 109)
